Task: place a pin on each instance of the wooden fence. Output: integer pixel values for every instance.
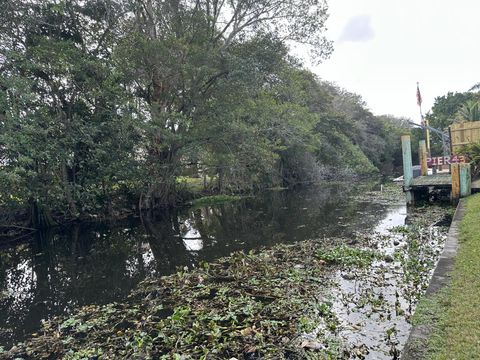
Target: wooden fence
(464, 133)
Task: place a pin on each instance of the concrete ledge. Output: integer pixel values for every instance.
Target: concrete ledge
(418, 337)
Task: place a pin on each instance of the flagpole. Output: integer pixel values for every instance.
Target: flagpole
(428, 138)
(427, 130)
(423, 121)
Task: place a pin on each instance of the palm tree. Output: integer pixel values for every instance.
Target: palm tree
(469, 111)
(472, 151)
(475, 87)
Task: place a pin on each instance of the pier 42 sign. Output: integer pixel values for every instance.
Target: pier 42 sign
(445, 160)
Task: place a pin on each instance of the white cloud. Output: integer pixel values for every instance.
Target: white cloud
(357, 29)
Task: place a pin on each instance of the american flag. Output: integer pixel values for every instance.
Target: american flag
(419, 97)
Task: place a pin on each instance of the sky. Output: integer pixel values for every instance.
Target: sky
(382, 48)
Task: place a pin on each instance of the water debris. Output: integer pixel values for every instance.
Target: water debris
(348, 276)
(312, 345)
(322, 298)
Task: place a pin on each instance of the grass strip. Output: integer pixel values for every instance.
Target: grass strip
(215, 199)
(453, 314)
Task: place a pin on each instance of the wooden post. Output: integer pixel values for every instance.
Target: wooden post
(422, 154)
(455, 194)
(407, 168)
(427, 132)
(451, 142)
(465, 180)
(407, 161)
(469, 181)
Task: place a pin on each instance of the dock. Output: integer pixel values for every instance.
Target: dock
(440, 181)
(437, 180)
(458, 179)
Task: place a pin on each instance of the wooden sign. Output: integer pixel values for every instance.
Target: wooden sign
(445, 160)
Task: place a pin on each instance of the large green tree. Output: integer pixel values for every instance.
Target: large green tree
(446, 107)
(66, 135)
(179, 51)
(460, 106)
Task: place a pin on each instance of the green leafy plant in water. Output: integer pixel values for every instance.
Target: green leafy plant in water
(78, 324)
(399, 229)
(325, 311)
(390, 332)
(332, 350)
(69, 323)
(180, 313)
(141, 339)
(307, 325)
(348, 256)
(84, 354)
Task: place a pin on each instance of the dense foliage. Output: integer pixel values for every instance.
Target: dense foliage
(104, 105)
(450, 108)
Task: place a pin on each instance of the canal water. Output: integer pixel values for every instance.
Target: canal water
(59, 270)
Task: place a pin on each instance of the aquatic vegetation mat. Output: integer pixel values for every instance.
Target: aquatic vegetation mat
(319, 299)
(249, 304)
(375, 303)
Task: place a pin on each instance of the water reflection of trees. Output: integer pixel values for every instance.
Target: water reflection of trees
(62, 270)
(166, 242)
(279, 217)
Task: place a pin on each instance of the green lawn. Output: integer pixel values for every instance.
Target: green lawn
(453, 314)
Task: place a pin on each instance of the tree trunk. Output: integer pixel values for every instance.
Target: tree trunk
(40, 217)
(220, 180)
(68, 191)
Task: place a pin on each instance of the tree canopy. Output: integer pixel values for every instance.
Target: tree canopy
(106, 104)
(453, 107)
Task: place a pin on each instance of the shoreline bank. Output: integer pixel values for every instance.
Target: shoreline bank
(448, 317)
